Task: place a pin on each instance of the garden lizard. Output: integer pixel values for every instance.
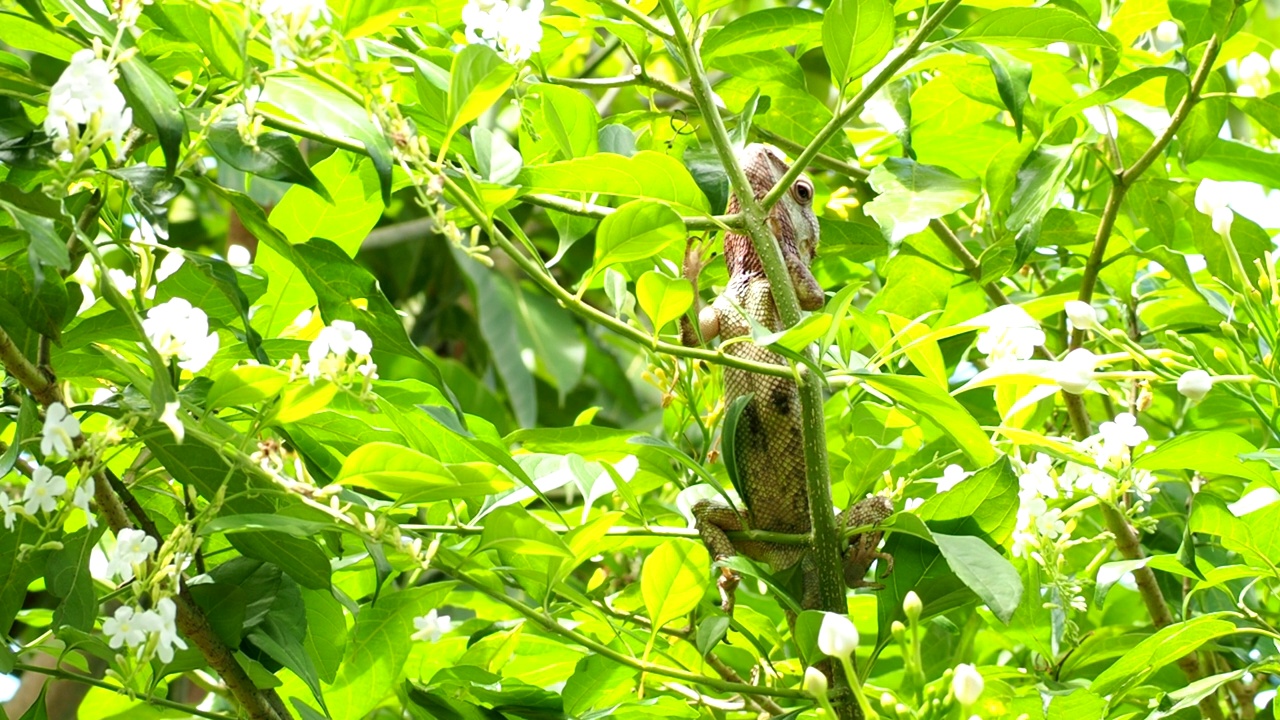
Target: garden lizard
(769, 442)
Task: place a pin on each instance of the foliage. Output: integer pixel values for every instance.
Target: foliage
(343, 372)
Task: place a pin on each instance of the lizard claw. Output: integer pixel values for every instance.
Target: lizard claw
(728, 584)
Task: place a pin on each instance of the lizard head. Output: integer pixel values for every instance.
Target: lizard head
(791, 219)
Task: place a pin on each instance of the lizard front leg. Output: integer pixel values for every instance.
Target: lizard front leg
(863, 548)
(713, 521)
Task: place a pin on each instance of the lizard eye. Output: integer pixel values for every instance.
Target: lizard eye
(803, 191)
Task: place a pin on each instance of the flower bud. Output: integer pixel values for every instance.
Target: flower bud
(911, 606)
(1222, 219)
(1195, 384)
(1167, 32)
(1081, 314)
(898, 630)
(815, 683)
(1220, 354)
(967, 684)
(837, 637)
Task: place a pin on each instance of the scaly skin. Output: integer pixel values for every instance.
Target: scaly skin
(769, 440)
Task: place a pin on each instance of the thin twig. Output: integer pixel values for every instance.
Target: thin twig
(95, 682)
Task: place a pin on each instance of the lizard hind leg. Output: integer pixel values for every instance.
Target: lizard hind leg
(713, 521)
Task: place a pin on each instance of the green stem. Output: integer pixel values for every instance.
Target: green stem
(95, 682)
(826, 550)
(628, 531)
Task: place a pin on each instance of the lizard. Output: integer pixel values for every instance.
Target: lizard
(768, 442)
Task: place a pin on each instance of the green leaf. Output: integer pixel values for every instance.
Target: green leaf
(984, 570)
(275, 157)
(856, 34)
(636, 231)
(1232, 160)
(218, 30)
(984, 505)
(334, 115)
(929, 401)
(765, 29)
(1252, 536)
(647, 175)
(22, 33)
(1020, 27)
(673, 580)
(246, 385)
(534, 554)
(1013, 79)
(67, 577)
(698, 8)
(663, 298)
(326, 638)
(301, 558)
(45, 246)
(156, 107)
(1211, 453)
(912, 194)
(498, 162)
(1165, 646)
(400, 471)
(39, 303)
(17, 571)
(572, 119)
(281, 634)
(478, 78)
(377, 648)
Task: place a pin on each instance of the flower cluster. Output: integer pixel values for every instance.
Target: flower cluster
(143, 629)
(86, 109)
(1011, 335)
(514, 32)
(329, 355)
(178, 330)
(298, 27)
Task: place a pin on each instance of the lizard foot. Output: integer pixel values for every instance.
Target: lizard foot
(728, 584)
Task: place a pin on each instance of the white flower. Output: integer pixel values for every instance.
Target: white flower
(1082, 315)
(83, 494)
(171, 264)
(1074, 372)
(431, 627)
(1011, 334)
(125, 283)
(61, 428)
(952, 476)
(815, 683)
(1124, 430)
(1059, 48)
(170, 417)
(10, 509)
(967, 684)
(296, 26)
(1213, 198)
(1049, 523)
(1144, 483)
(133, 547)
(514, 32)
(1087, 479)
(180, 331)
(86, 108)
(127, 627)
(1195, 384)
(327, 354)
(167, 630)
(1037, 479)
(837, 636)
(1167, 32)
(42, 493)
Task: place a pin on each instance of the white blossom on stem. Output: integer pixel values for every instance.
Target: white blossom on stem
(952, 476)
(967, 684)
(86, 109)
(10, 509)
(61, 429)
(166, 630)
(1195, 384)
(43, 491)
(1082, 315)
(328, 354)
(80, 499)
(837, 637)
(126, 627)
(1011, 334)
(297, 26)
(133, 547)
(431, 627)
(516, 33)
(1074, 373)
(178, 330)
